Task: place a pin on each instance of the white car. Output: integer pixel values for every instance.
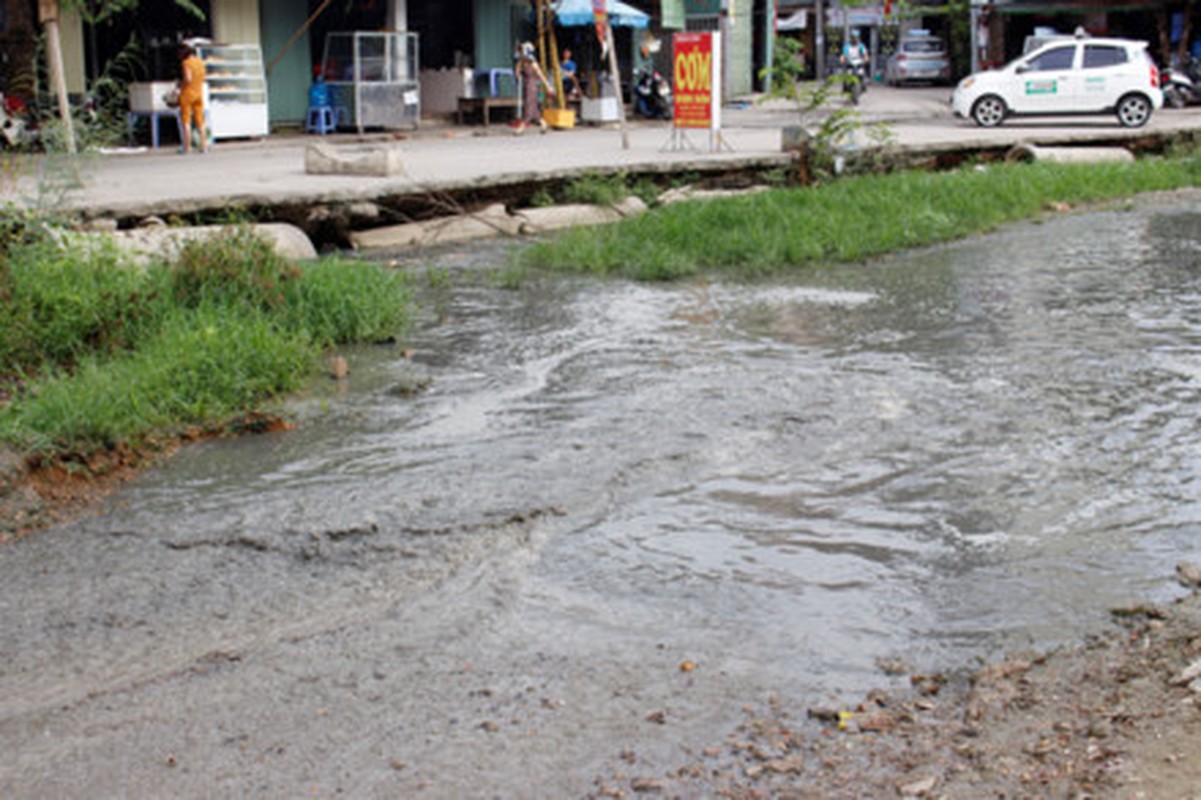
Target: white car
(1081, 76)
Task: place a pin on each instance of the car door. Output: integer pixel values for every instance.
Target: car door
(1104, 76)
(1047, 82)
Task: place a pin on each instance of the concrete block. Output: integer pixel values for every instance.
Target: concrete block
(160, 241)
(380, 160)
(1068, 155)
(553, 218)
(492, 221)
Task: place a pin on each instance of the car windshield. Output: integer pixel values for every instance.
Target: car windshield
(922, 46)
(1053, 59)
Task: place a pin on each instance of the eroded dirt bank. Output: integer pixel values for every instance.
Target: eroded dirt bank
(1119, 717)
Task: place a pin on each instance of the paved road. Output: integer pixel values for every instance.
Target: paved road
(439, 157)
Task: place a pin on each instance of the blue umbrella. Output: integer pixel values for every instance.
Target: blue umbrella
(579, 12)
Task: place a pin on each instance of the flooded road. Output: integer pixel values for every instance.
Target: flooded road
(479, 571)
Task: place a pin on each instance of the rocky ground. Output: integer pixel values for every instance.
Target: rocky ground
(1117, 717)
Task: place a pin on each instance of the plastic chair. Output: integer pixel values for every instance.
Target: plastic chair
(321, 120)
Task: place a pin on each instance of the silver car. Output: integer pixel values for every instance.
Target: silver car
(919, 57)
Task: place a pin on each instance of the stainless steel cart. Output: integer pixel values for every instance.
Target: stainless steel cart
(372, 78)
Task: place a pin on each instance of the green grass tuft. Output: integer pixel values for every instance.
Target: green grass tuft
(96, 352)
(846, 220)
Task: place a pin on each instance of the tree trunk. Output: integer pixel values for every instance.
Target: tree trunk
(20, 76)
(48, 13)
(1186, 33)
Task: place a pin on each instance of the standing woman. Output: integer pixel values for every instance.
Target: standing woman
(530, 74)
(191, 96)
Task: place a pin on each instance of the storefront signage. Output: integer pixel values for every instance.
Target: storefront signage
(696, 80)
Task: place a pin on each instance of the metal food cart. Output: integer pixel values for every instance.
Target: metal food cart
(372, 79)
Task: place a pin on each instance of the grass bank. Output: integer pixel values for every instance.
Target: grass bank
(99, 353)
(846, 220)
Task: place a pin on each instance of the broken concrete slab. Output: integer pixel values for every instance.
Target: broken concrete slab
(143, 244)
(492, 221)
(1024, 152)
(682, 193)
(553, 218)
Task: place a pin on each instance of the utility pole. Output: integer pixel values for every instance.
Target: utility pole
(724, 32)
(819, 41)
(48, 16)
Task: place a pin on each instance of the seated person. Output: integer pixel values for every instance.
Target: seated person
(571, 78)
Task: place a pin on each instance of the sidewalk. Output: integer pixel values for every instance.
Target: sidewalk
(442, 157)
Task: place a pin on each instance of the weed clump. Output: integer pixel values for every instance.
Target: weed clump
(97, 352)
(238, 269)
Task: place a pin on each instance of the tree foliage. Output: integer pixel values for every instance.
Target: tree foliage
(94, 11)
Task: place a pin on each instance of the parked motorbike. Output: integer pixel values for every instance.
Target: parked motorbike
(1182, 84)
(13, 130)
(652, 95)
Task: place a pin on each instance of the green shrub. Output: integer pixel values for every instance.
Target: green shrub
(339, 300)
(65, 300)
(112, 353)
(241, 268)
(596, 189)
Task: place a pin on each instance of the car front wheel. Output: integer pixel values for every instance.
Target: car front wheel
(989, 111)
(1134, 110)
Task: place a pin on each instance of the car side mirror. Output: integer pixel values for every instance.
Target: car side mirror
(1022, 68)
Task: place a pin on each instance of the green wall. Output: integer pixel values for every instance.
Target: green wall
(288, 81)
(494, 32)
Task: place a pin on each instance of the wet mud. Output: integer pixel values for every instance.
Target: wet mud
(572, 536)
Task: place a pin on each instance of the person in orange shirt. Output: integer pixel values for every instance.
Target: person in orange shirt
(191, 96)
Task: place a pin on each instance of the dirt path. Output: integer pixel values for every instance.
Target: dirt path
(1116, 717)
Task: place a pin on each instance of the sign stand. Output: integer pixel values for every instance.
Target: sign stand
(696, 73)
(678, 141)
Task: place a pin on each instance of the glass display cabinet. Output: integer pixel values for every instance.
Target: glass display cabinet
(235, 90)
(372, 79)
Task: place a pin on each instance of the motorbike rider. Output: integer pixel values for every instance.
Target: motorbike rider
(853, 59)
(854, 54)
(652, 96)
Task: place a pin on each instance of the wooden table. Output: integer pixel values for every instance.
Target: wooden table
(483, 106)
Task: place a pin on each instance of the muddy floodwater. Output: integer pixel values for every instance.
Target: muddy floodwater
(582, 524)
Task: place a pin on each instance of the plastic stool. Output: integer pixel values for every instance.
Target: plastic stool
(320, 120)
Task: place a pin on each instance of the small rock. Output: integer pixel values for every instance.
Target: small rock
(1195, 686)
(364, 210)
(489, 726)
(1189, 574)
(647, 785)
(918, 788)
(101, 225)
(658, 717)
(876, 723)
(893, 666)
(792, 764)
(1189, 674)
(12, 466)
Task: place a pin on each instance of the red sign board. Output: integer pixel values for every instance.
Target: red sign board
(693, 76)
